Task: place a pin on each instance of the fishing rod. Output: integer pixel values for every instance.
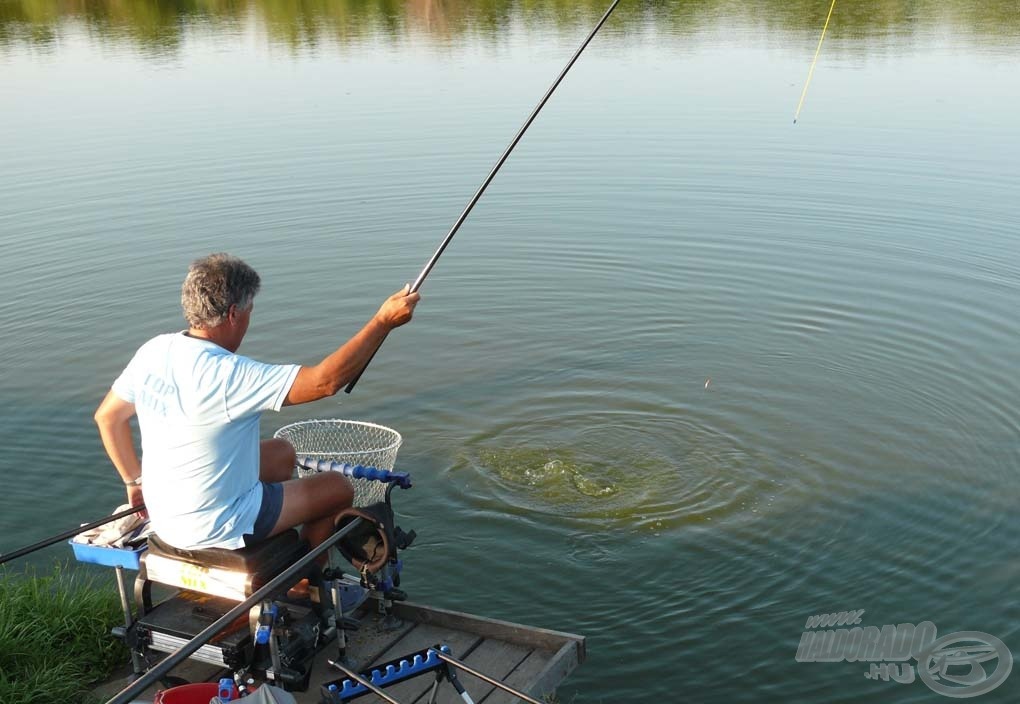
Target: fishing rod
(811, 71)
(7, 557)
(488, 179)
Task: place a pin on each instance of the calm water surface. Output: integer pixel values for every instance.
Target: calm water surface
(849, 285)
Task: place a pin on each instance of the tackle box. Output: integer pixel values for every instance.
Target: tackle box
(111, 557)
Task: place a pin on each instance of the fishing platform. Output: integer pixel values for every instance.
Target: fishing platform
(533, 660)
(234, 618)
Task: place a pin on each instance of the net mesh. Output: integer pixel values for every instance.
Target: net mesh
(350, 442)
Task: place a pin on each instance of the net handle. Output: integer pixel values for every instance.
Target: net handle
(357, 471)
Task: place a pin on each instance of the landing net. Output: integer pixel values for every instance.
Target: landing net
(350, 442)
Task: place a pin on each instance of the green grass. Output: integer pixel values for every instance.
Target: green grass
(55, 640)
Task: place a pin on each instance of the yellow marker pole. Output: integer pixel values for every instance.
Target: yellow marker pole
(811, 71)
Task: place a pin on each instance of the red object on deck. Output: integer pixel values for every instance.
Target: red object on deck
(198, 693)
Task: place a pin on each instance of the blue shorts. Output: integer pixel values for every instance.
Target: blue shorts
(269, 513)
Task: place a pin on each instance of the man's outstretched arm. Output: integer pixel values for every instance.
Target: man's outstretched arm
(335, 371)
(113, 418)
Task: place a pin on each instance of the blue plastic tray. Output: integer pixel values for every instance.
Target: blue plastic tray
(111, 557)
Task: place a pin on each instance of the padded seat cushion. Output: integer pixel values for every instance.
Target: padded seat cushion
(270, 556)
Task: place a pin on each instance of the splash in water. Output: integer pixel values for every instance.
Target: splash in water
(555, 472)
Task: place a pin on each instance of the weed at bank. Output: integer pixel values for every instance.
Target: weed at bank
(55, 640)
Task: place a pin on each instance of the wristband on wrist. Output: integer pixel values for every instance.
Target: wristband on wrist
(134, 482)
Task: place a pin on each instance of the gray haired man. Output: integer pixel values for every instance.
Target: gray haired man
(209, 480)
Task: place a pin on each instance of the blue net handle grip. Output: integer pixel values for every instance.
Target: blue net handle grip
(357, 471)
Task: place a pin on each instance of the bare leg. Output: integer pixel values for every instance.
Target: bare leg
(276, 460)
(314, 503)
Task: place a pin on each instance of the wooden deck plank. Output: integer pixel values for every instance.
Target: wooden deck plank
(492, 657)
(516, 633)
(539, 677)
(522, 677)
(365, 645)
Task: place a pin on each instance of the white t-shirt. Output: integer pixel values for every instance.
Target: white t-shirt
(198, 408)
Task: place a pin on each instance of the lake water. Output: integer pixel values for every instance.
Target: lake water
(688, 375)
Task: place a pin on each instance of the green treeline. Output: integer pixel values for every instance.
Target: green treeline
(160, 24)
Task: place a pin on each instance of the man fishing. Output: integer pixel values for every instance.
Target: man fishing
(209, 481)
